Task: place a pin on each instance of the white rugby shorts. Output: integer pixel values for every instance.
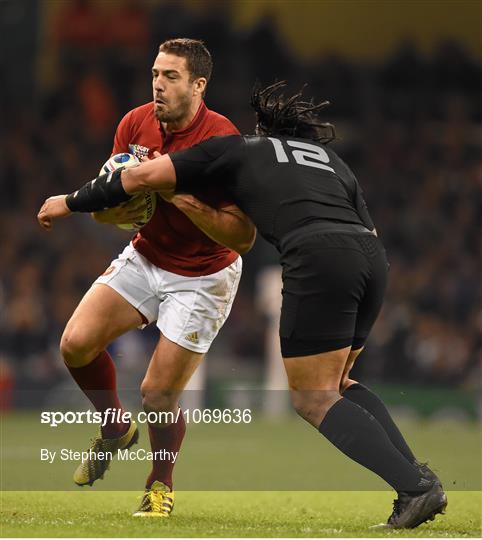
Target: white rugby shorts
(189, 310)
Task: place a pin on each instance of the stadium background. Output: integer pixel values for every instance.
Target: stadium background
(405, 82)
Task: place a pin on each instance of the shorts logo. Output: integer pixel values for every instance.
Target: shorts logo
(192, 337)
(138, 150)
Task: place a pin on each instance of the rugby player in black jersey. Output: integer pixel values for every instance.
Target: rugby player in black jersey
(306, 202)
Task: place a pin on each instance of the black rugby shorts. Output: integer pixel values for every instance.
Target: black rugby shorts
(333, 289)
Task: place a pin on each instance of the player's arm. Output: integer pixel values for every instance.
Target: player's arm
(228, 226)
(111, 190)
(128, 212)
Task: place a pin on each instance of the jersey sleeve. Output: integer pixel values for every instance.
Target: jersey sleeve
(204, 164)
(216, 195)
(121, 137)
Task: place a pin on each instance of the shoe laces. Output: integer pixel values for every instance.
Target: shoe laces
(97, 466)
(398, 505)
(152, 501)
(157, 498)
(95, 446)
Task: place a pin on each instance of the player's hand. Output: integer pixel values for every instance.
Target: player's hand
(52, 208)
(128, 212)
(155, 155)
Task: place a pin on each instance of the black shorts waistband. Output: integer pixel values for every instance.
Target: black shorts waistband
(326, 227)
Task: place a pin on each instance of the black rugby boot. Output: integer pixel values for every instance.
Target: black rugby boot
(411, 510)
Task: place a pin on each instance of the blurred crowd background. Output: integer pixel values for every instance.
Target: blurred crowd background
(409, 120)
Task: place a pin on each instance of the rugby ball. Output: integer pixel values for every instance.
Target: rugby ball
(119, 160)
(150, 200)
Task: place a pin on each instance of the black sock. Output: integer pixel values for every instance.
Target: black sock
(369, 401)
(359, 435)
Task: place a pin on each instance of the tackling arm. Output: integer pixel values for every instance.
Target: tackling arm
(110, 190)
(227, 226)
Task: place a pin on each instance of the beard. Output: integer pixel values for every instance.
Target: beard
(170, 114)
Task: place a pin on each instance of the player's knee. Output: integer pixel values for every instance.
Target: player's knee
(346, 382)
(159, 401)
(343, 384)
(76, 349)
(313, 405)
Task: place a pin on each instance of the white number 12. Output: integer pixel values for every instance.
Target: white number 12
(305, 154)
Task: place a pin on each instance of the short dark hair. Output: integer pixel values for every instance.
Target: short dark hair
(278, 115)
(198, 58)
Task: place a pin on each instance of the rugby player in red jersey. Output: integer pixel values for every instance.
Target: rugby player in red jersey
(181, 271)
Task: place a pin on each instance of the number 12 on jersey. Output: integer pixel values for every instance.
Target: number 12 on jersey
(303, 153)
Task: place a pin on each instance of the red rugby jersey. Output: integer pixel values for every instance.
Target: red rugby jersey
(170, 240)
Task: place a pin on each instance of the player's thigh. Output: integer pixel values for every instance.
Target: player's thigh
(120, 299)
(130, 275)
(321, 371)
(191, 312)
(101, 316)
(170, 368)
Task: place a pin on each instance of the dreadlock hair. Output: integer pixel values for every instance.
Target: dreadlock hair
(278, 115)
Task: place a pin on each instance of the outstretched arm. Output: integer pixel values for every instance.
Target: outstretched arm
(110, 190)
(228, 226)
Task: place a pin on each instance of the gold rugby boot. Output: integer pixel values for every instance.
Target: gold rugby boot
(156, 502)
(91, 469)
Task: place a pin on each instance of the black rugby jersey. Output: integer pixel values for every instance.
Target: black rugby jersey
(281, 183)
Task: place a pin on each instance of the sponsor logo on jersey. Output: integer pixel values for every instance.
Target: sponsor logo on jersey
(138, 150)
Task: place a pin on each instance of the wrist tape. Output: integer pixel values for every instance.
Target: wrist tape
(105, 191)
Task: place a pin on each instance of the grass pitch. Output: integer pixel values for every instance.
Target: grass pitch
(225, 514)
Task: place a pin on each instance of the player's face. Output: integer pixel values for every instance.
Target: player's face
(172, 88)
